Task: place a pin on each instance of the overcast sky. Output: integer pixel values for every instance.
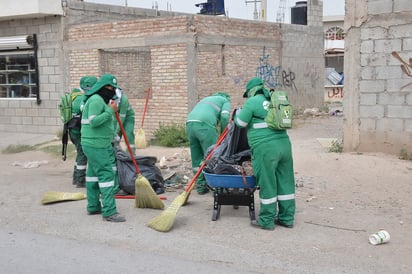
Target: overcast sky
(234, 8)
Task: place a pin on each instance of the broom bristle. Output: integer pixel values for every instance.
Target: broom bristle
(145, 195)
(164, 222)
(54, 197)
(188, 194)
(140, 139)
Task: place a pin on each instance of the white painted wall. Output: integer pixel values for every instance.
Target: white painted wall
(25, 8)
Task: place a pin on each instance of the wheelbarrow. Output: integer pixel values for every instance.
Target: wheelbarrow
(236, 190)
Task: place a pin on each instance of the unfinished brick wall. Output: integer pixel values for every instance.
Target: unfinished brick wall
(191, 57)
(82, 62)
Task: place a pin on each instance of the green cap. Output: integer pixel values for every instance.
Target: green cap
(105, 79)
(86, 82)
(254, 82)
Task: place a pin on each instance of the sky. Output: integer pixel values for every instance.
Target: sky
(243, 9)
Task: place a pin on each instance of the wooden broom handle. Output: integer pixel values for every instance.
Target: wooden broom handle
(145, 105)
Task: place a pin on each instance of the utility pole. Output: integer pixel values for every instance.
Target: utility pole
(280, 16)
(255, 13)
(263, 8)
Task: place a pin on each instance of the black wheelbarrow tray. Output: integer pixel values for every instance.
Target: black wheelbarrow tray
(233, 190)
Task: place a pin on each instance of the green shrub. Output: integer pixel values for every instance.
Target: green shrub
(173, 135)
(337, 146)
(404, 155)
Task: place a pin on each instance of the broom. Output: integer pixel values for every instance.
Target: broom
(164, 222)
(145, 195)
(140, 140)
(54, 197)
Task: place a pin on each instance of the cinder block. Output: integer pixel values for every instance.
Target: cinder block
(372, 111)
(379, 7)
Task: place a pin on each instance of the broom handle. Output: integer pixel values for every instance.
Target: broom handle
(219, 141)
(145, 105)
(127, 142)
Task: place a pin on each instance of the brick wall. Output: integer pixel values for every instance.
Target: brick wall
(195, 56)
(191, 56)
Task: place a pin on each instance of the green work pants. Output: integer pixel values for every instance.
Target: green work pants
(273, 167)
(79, 170)
(100, 180)
(128, 126)
(201, 136)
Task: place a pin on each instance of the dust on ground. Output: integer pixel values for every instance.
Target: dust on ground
(342, 198)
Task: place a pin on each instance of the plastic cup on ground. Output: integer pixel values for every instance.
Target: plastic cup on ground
(380, 237)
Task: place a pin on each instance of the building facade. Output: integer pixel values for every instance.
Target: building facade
(180, 57)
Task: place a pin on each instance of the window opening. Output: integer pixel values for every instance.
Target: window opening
(19, 68)
(335, 33)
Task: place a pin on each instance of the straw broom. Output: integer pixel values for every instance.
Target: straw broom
(164, 222)
(140, 140)
(55, 196)
(145, 195)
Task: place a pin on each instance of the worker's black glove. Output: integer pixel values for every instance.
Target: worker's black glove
(235, 111)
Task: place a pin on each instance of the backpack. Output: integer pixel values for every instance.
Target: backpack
(65, 106)
(280, 112)
(65, 109)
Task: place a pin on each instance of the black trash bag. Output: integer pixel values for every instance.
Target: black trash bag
(227, 169)
(127, 172)
(233, 150)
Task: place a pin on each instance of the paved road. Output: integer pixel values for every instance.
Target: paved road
(341, 199)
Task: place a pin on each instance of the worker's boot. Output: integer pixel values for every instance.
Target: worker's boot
(74, 181)
(201, 185)
(81, 180)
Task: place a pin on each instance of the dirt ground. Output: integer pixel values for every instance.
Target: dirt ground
(341, 200)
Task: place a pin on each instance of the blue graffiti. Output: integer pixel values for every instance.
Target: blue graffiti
(270, 74)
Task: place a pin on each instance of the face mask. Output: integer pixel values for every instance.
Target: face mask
(106, 94)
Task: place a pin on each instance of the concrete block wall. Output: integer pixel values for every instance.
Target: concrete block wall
(228, 54)
(302, 59)
(378, 110)
(24, 114)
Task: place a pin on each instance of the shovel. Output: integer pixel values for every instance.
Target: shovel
(140, 139)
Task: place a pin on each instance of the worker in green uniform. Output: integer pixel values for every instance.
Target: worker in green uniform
(127, 117)
(202, 130)
(79, 170)
(97, 134)
(271, 159)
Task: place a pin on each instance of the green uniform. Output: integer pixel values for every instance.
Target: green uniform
(97, 134)
(202, 129)
(127, 117)
(79, 170)
(272, 162)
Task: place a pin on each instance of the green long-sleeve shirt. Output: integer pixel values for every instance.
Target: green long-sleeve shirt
(97, 123)
(211, 110)
(252, 115)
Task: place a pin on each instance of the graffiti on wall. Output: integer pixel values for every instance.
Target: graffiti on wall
(275, 76)
(270, 74)
(333, 94)
(405, 66)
